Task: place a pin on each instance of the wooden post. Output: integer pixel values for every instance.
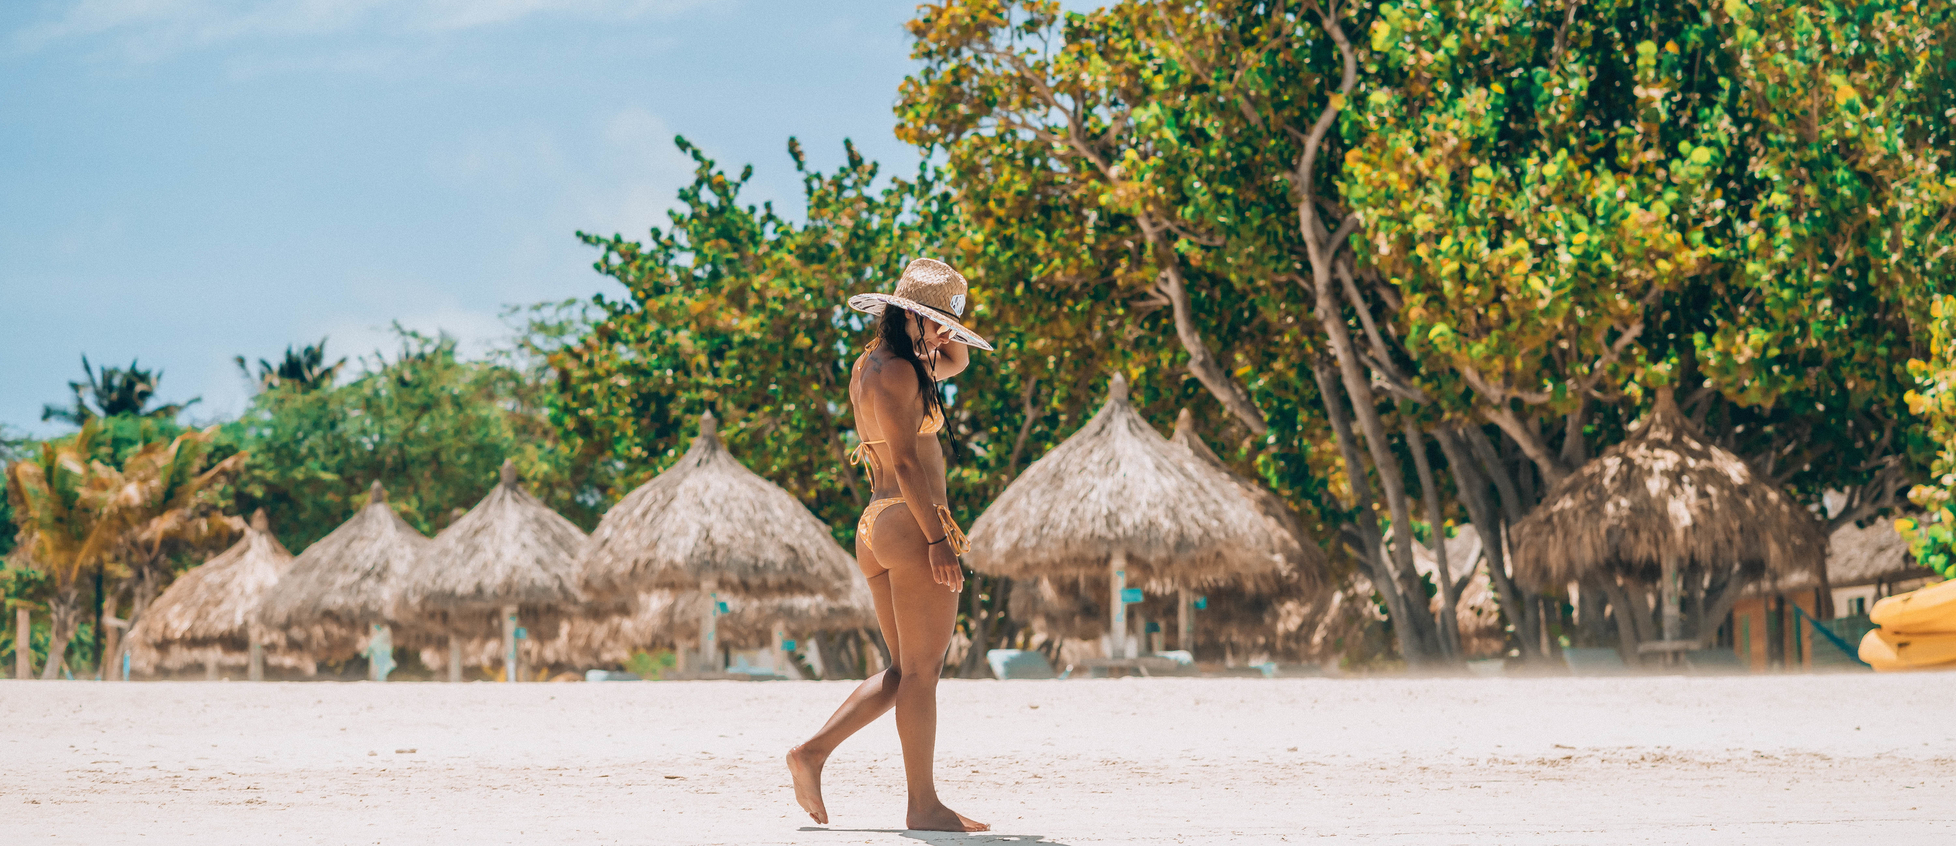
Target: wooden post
(1185, 623)
(1140, 632)
(1117, 627)
(255, 670)
(1673, 622)
(23, 643)
(709, 623)
(210, 667)
(509, 643)
(783, 664)
(454, 657)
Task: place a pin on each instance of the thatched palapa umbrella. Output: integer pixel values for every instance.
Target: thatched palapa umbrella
(343, 586)
(1117, 498)
(509, 558)
(207, 614)
(1667, 508)
(709, 524)
(1304, 561)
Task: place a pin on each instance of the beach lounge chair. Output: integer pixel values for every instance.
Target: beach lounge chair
(1584, 661)
(1019, 664)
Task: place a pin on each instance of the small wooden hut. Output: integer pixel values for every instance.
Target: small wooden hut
(207, 615)
(509, 560)
(1668, 526)
(1117, 500)
(339, 591)
(709, 524)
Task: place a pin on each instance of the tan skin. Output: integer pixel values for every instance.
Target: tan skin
(916, 583)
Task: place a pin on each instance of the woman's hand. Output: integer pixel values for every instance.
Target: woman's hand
(944, 567)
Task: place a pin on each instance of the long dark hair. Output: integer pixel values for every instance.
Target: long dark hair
(894, 332)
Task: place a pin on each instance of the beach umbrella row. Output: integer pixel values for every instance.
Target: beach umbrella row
(1116, 504)
(706, 534)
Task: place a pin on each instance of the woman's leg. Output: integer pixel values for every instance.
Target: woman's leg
(867, 702)
(925, 613)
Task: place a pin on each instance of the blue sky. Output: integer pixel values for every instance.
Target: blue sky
(188, 180)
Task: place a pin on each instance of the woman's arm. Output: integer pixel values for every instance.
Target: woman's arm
(892, 386)
(948, 360)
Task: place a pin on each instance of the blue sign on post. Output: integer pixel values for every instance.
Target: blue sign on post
(721, 606)
(522, 633)
(788, 645)
(1129, 596)
(1201, 602)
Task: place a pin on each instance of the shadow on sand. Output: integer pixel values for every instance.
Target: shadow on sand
(945, 838)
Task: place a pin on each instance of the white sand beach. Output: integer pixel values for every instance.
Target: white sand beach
(1779, 759)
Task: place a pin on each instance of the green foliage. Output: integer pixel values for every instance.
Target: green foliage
(114, 392)
(301, 369)
(430, 425)
(1931, 539)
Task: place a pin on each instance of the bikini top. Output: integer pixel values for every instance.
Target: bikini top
(933, 423)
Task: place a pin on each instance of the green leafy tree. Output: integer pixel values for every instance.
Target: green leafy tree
(314, 451)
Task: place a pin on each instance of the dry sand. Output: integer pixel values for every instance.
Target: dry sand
(1779, 759)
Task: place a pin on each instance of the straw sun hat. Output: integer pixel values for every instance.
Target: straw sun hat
(929, 288)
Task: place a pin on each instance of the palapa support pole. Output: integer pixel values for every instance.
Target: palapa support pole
(1185, 622)
(210, 667)
(1673, 621)
(783, 664)
(454, 657)
(23, 643)
(709, 623)
(255, 669)
(1117, 643)
(509, 643)
(1141, 644)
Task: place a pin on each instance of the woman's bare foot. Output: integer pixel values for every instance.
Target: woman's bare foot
(941, 819)
(806, 768)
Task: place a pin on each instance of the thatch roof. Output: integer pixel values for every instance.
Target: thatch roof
(346, 580)
(708, 517)
(510, 549)
(207, 611)
(1858, 556)
(1305, 559)
(672, 618)
(1665, 491)
(1115, 486)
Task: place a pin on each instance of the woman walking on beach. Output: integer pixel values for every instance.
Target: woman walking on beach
(906, 541)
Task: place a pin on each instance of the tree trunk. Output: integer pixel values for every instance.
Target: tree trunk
(1419, 630)
(64, 614)
(23, 643)
(454, 658)
(1471, 488)
(1366, 520)
(110, 659)
(1436, 529)
(1202, 364)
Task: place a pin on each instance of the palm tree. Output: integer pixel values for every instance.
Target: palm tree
(77, 515)
(114, 392)
(59, 498)
(302, 369)
(162, 502)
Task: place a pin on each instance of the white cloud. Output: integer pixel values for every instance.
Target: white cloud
(147, 30)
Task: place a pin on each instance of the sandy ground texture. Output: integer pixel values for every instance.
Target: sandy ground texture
(1767, 759)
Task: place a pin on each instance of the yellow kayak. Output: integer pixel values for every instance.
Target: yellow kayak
(1930, 609)
(1885, 650)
